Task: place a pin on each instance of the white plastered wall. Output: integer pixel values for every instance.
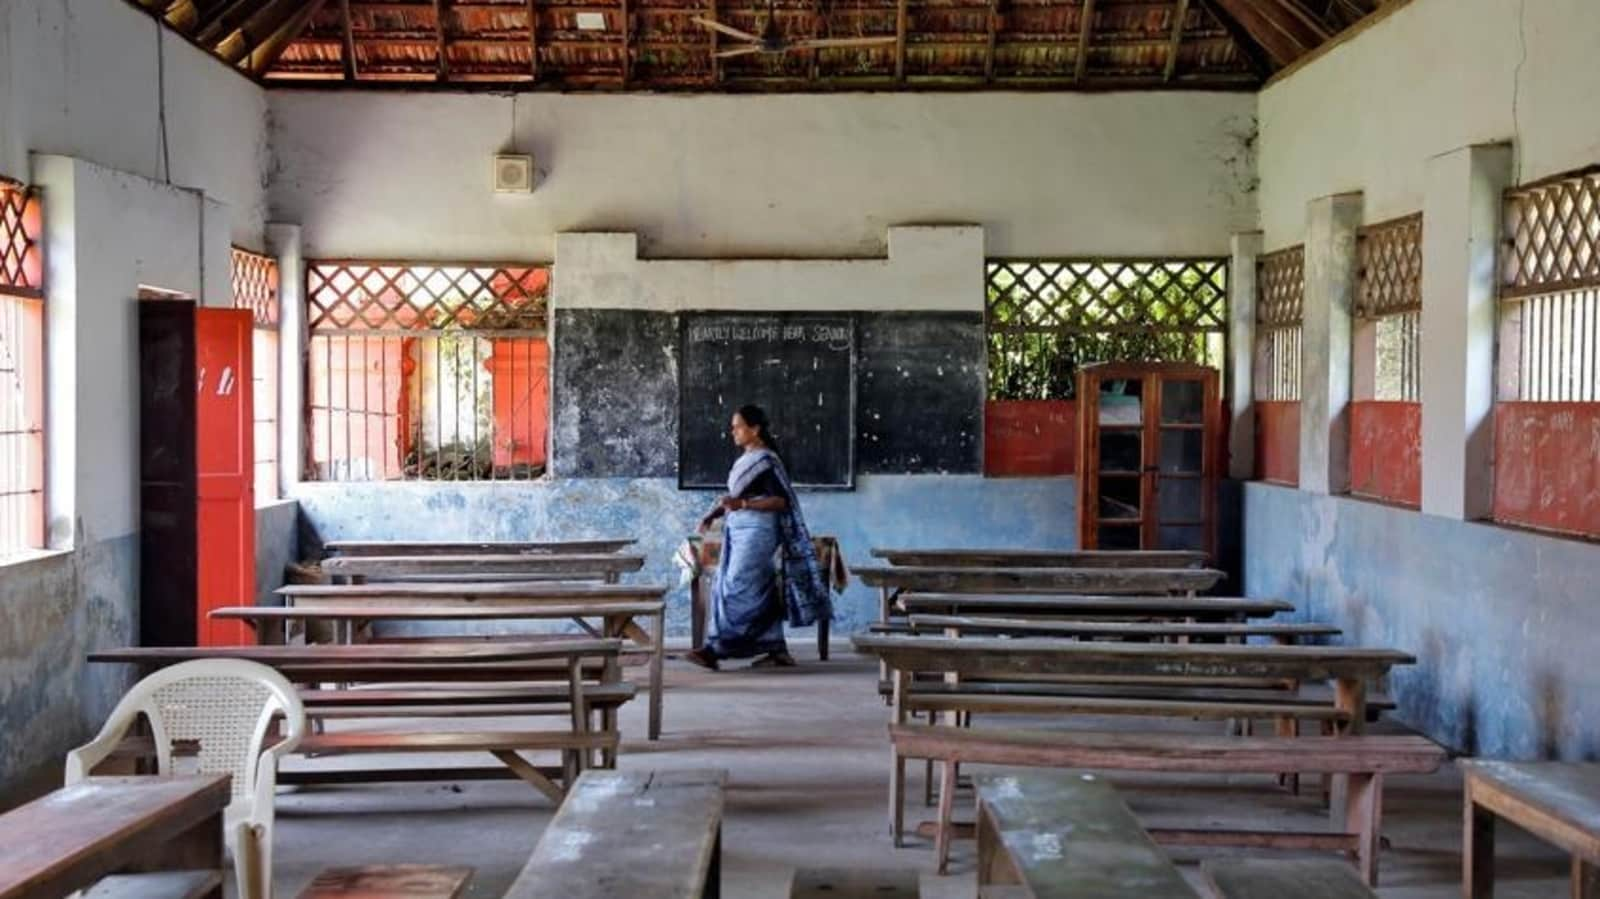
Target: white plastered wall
(738, 177)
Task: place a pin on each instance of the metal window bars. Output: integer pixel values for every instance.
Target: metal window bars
(1046, 318)
(427, 372)
(1388, 292)
(21, 369)
(1280, 302)
(1550, 290)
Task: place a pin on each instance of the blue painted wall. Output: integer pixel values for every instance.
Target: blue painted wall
(883, 510)
(1505, 623)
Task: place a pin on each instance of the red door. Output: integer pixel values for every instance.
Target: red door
(227, 513)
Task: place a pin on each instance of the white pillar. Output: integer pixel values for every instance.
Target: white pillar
(284, 242)
(1461, 222)
(216, 253)
(1242, 353)
(1330, 273)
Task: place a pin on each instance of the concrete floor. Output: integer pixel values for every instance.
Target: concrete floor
(807, 760)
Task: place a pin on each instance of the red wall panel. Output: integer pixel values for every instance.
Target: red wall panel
(1030, 437)
(1386, 451)
(1547, 466)
(1278, 441)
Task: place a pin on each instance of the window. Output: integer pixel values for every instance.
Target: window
(1280, 300)
(22, 514)
(1549, 356)
(427, 372)
(1047, 318)
(1385, 414)
(255, 287)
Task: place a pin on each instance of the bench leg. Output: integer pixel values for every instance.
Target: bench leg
(1477, 850)
(658, 654)
(1363, 815)
(927, 782)
(947, 803)
(1585, 879)
(897, 787)
(713, 884)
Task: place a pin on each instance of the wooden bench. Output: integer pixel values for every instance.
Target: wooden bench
(1060, 835)
(474, 547)
(158, 885)
(608, 567)
(73, 837)
(1364, 759)
(855, 883)
(1261, 878)
(507, 746)
(467, 602)
(640, 834)
(389, 882)
(1283, 633)
(894, 580)
(1043, 558)
(421, 702)
(1558, 802)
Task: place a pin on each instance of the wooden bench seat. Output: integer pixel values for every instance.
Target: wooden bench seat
(503, 745)
(855, 883)
(389, 882)
(640, 834)
(1261, 878)
(543, 694)
(1558, 802)
(158, 885)
(1060, 835)
(1364, 759)
(1177, 690)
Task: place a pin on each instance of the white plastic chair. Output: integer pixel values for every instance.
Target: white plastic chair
(227, 707)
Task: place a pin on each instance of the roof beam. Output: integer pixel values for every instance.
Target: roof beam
(212, 26)
(1242, 40)
(442, 71)
(349, 41)
(1085, 28)
(533, 39)
(1179, 13)
(267, 52)
(1263, 31)
(1314, 25)
(239, 43)
(900, 40)
(994, 31)
(627, 45)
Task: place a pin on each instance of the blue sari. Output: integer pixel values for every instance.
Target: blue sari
(749, 600)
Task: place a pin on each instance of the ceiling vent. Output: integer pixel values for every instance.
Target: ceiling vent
(513, 173)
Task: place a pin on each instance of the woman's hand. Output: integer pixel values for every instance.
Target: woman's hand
(732, 504)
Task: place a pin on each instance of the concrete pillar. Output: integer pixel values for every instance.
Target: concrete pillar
(65, 372)
(216, 253)
(284, 242)
(1330, 273)
(1461, 209)
(1242, 354)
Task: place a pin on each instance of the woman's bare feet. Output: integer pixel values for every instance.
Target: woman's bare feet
(702, 658)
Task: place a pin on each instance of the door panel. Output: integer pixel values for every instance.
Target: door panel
(224, 459)
(167, 490)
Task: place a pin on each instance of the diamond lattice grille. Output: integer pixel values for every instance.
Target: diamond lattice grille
(21, 227)
(1552, 236)
(365, 296)
(1389, 280)
(255, 286)
(1281, 288)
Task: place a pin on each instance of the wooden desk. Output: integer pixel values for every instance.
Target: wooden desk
(76, 835)
(600, 566)
(353, 605)
(639, 834)
(1558, 802)
(707, 553)
(473, 547)
(1159, 608)
(894, 580)
(1043, 558)
(1283, 633)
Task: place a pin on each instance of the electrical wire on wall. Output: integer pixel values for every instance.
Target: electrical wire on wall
(161, 101)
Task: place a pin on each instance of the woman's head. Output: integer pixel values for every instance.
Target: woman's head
(750, 427)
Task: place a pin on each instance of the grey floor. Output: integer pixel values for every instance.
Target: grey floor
(807, 757)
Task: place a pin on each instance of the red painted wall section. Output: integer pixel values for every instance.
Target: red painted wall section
(1023, 438)
(1278, 441)
(1386, 451)
(521, 371)
(1547, 466)
(224, 456)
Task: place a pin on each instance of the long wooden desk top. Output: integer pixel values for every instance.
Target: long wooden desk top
(1118, 628)
(1558, 801)
(515, 591)
(436, 613)
(1063, 605)
(474, 547)
(70, 838)
(1043, 558)
(1043, 655)
(433, 654)
(640, 834)
(955, 579)
(467, 565)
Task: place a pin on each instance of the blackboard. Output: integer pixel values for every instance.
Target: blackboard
(799, 367)
(616, 386)
(920, 405)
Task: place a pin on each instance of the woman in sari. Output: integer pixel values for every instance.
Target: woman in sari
(749, 598)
